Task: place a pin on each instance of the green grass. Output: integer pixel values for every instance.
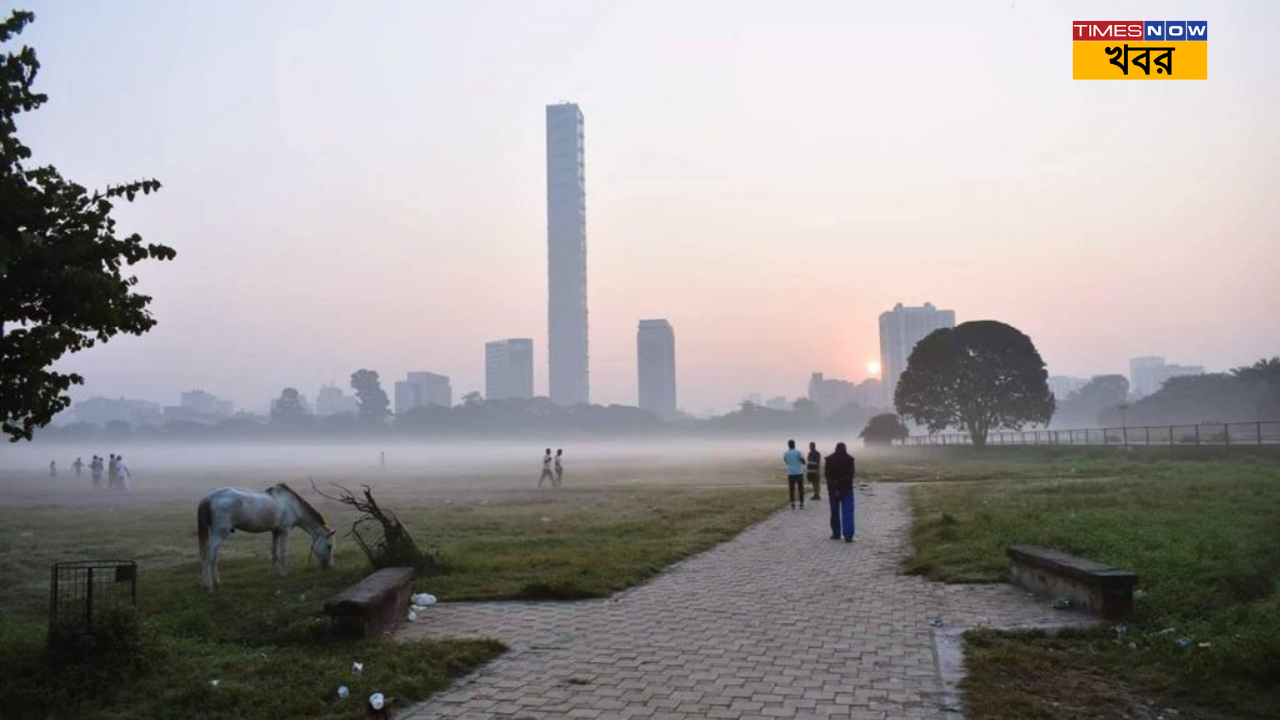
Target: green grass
(1204, 538)
(264, 637)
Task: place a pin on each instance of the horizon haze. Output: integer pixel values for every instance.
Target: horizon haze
(367, 189)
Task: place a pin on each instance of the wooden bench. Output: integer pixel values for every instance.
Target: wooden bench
(1099, 588)
(373, 605)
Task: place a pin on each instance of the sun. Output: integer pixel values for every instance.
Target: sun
(873, 367)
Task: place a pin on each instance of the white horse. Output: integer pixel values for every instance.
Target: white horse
(277, 509)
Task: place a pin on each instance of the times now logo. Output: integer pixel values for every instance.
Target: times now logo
(1163, 30)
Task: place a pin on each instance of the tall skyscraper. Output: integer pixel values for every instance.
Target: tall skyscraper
(566, 256)
(656, 366)
(900, 329)
(508, 369)
(423, 388)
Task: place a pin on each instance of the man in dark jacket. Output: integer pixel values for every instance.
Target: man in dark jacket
(812, 469)
(839, 471)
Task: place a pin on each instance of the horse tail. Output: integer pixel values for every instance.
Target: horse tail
(204, 518)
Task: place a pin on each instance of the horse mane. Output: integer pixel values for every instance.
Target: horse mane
(313, 513)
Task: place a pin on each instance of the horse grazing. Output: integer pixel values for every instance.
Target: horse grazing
(277, 509)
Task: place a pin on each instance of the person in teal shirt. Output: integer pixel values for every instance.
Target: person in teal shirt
(795, 463)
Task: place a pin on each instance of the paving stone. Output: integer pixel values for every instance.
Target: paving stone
(778, 622)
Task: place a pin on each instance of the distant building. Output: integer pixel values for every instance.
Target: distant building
(754, 398)
(423, 389)
(331, 400)
(102, 410)
(200, 407)
(508, 369)
(900, 329)
(656, 367)
(1063, 385)
(778, 403)
(202, 403)
(831, 394)
(1148, 374)
(566, 256)
(869, 394)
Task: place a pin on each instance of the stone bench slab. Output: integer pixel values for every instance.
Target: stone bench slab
(1099, 588)
(372, 606)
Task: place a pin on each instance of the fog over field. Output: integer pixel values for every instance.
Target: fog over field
(159, 469)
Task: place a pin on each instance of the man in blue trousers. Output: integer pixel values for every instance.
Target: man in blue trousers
(839, 471)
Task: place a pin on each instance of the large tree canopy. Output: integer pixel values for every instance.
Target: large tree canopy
(978, 376)
(63, 284)
(375, 408)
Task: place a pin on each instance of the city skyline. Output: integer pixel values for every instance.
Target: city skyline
(722, 149)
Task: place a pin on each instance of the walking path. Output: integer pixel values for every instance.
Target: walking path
(780, 622)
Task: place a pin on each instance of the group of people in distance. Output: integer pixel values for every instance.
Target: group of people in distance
(117, 471)
(839, 473)
(547, 461)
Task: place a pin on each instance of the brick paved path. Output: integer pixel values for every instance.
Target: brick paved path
(780, 622)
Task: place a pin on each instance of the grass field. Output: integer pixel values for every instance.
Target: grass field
(263, 637)
(1204, 538)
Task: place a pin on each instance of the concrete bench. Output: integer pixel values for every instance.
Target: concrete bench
(371, 606)
(1099, 588)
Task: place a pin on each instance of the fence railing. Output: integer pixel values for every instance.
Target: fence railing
(1222, 434)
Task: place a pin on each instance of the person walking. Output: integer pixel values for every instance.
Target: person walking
(794, 460)
(77, 465)
(95, 469)
(122, 474)
(840, 470)
(559, 467)
(815, 463)
(53, 468)
(546, 468)
(112, 470)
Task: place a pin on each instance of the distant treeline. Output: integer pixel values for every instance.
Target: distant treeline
(1244, 394)
(476, 417)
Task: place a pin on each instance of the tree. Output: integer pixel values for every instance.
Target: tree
(375, 409)
(63, 285)
(288, 409)
(806, 408)
(978, 376)
(849, 417)
(473, 399)
(1264, 377)
(883, 429)
(1084, 406)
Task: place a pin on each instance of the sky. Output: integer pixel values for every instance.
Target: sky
(355, 186)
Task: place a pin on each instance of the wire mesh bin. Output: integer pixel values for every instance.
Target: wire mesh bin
(83, 592)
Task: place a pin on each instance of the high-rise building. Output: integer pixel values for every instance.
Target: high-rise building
(1148, 374)
(421, 389)
(656, 367)
(508, 369)
(331, 400)
(900, 329)
(566, 256)
(830, 394)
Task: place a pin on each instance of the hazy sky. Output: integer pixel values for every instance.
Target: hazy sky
(362, 185)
